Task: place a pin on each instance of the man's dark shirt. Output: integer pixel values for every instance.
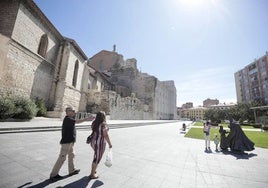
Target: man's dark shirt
(68, 132)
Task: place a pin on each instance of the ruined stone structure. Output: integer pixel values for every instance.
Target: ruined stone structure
(36, 61)
(158, 98)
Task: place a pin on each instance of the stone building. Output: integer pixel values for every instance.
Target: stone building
(158, 97)
(36, 61)
(187, 105)
(208, 102)
(196, 113)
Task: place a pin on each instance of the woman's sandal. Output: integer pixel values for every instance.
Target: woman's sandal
(93, 177)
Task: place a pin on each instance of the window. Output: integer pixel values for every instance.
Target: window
(75, 73)
(89, 84)
(42, 49)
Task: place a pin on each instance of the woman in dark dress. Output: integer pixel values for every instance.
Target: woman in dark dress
(236, 139)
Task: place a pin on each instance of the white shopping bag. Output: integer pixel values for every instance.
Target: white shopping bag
(109, 158)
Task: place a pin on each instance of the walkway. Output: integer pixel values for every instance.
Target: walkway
(152, 156)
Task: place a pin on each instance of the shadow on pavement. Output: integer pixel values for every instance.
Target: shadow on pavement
(83, 183)
(39, 185)
(97, 183)
(28, 183)
(43, 183)
(208, 151)
(239, 155)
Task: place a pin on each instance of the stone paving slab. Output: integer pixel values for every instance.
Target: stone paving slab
(156, 156)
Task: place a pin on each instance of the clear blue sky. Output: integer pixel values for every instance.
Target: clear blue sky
(199, 44)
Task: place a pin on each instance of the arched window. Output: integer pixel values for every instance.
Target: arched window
(75, 73)
(42, 49)
(89, 84)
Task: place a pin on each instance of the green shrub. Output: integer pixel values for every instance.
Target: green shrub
(25, 108)
(41, 107)
(256, 125)
(7, 108)
(265, 128)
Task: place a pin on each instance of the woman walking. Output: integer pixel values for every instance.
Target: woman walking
(98, 143)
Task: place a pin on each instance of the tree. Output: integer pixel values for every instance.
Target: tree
(240, 112)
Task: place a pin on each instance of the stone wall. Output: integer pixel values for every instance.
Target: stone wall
(23, 71)
(68, 94)
(123, 79)
(26, 74)
(73, 58)
(28, 31)
(85, 88)
(105, 60)
(72, 94)
(131, 63)
(60, 78)
(165, 95)
(8, 14)
(159, 97)
(119, 107)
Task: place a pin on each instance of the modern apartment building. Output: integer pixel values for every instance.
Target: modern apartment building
(252, 82)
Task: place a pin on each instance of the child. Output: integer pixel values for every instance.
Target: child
(216, 141)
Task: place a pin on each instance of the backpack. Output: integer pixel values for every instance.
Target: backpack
(206, 129)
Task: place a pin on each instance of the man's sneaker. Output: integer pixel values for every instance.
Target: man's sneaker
(74, 172)
(57, 177)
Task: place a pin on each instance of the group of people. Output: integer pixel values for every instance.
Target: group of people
(236, 139)
(98, 143)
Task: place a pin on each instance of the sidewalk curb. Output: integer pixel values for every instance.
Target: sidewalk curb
(78, 127)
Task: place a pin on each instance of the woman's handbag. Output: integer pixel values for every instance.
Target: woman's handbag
(109, 158)
(89, 138)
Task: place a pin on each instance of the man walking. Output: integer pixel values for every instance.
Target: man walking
(68, 138)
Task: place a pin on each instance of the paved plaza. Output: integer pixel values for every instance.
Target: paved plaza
(155, 155)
